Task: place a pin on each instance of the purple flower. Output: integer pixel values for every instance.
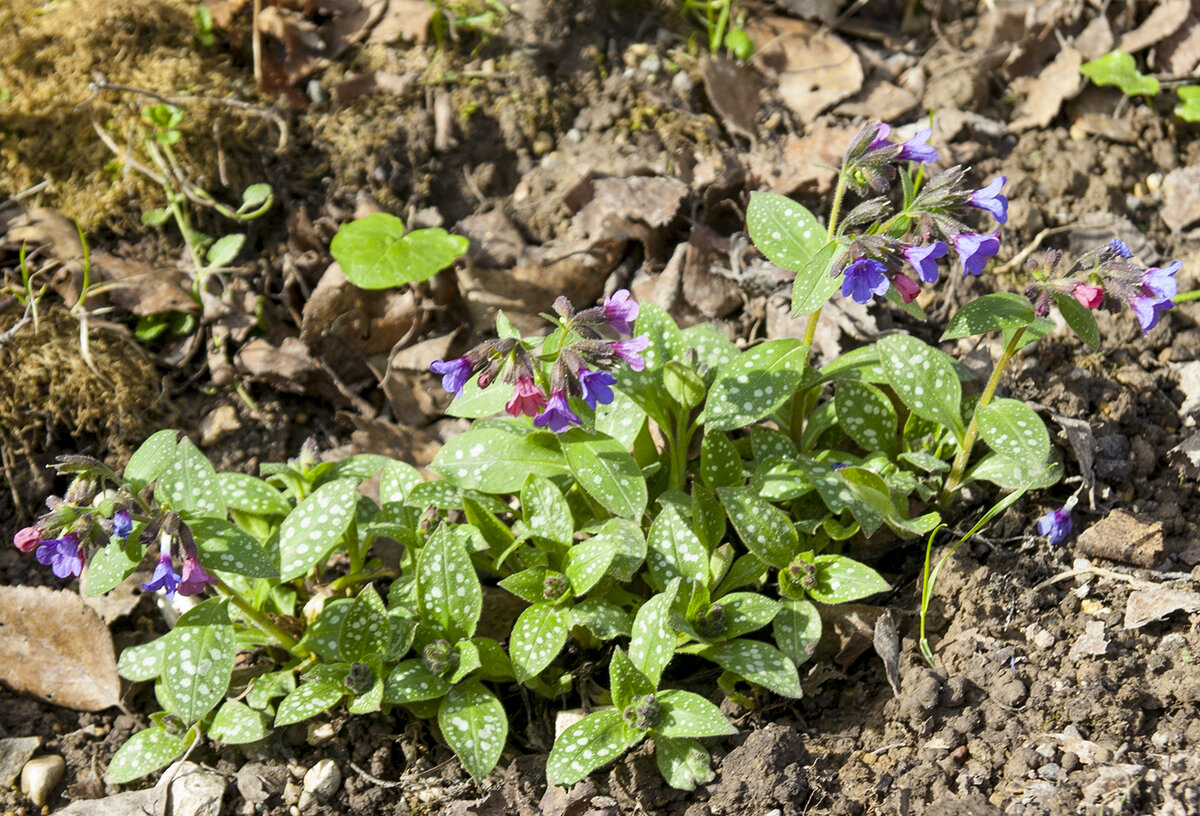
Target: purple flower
(558, 415)
(195, 579)
(628, 350)
(62, 554)
(1118, 247)
(596, 388)
(620, 312)
(1055, 525)
(924, 259)
(906, 287)
(881, 137)
(527, 397)
(165, 577)
(864, 279)
(974, 249)
(918, 149)
(122, 523)
(1158, 290)
(27, 539)
(455, 373)
(989, 199)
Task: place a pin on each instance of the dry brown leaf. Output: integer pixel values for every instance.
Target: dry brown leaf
(880, 100)
(1146, 605)
(496, 243)
(651, 200)
(847, 630)
(287, 367)
(1186, 456)
(733, 91)
(403, 20)
(1058, 81)
(1181, 198)
(816, 68)
(358, 85)
(1180, 53)
(806, 161)
(708, 283)
(1164, 20)
(1096, 39)
(56, 648)
(887, 646)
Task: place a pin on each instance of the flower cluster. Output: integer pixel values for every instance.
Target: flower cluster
(926, 226)
(1105, 279)
(580, 369)
(175, 541)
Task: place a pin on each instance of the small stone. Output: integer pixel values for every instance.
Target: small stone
(40, 775)
(651, 64)
(775, 812)
(320, 732)
(218, 424)
(14, 753)
(196, 792)
(543, 143)
(320, 783)
(682, 83)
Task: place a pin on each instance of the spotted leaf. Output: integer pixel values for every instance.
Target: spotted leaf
(755, 384)
(683, 763)
(537, 637)
(198, 659)
(225, 547)
(713, 347)
(308, 700)
(1012, 429)
(475, 726)
(237, 724)
(757, 662)
(797, 629)
(252, 495)
(841, 579)
(607, 472)
(764, 528)
(587, 562)
(546, 511)
(316, 527)
(867, 416)
(604, 619)
(685, 714)
(720, 465)
(150, 459)
(790, 236)
(448, 587)
(142, 662)
(365, 630)
(411, 681)
(397, 481)
(596, 740)
(652, 644)
(924, 378)
(995, 312)
(146, 752)
(496, 461)
(673, 550)
(189, 483)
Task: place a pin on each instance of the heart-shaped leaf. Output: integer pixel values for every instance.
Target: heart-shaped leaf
(375, 253)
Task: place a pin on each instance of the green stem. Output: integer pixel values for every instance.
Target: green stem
(261, 621)
(835, 211)
(1186, 296)
(347, 581)
(964, 454)
(679, 442)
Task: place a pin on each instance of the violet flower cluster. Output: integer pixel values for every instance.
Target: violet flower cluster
(922, 231)
(581, 369)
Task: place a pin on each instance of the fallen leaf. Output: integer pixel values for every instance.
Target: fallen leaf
(57, 648)
(879, 100)
(733, 91)
(815, 68)
(1180, 53)
(1083, 442)
(847, 631)
(14, 753)
(1058, 81)
(1146, 605)
(1163, 21)
(708, 283)
(1096, 39)
(651, 200)
(496, 243)
(356, 85)
(887, 646)
(1186, 456)
(406, 20)
(1181, 198)
(807, 160)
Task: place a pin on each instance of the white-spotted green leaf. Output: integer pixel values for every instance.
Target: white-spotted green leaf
(606, 471)
(546, 511)
(745, 612)
(746, 570)
(708, 517)
(924, 378)
(361, 466)
(411, 681)
(594, 741)
(449, 590)
(365, 630)
(994, 312)
(861, 363)
(439, 494)
(871, 488)
(924, 461)
(537, 637)
(604, 619)
(142, 662)
(237, 724)
(622, 419)
(867, 416)
(468, 660)
(1013, 473)
(474, 402)
(685, 714)
(308, 700)
(323, 633)
(150, 459)
(764, 528)
(226, 547)
(790, 236)
(1080, 319)
(713, 348)
(629, 543)
(198, 659)
(397, 481)
(587, 562)
(1012, 429)
(370, 700)
(529, 584)
(496, 461)
(252, 495)
(666, 343)
(190, 484)
(267, 687)
(755, 384)
(757, 662)
(841, 579)
(626, 681)
(111, 565)
(683, 763)
(837, 495)
(652, 642)
(768, 443)
(720, 465)
(475, 726)
(315, 528)
(797, 629)
(673, 550)
(145, 752)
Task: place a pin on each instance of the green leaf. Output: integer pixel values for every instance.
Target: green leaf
(713, 348)
(841, 579)
(622, 419)
(995, 312)
(791, 237)
(475, 726)
(537, 637)
(835, 494)
(1188, 108)
(606, 471)
(768, 443)
(629, 543)
(1080, 318)
(1118, 68)
(528, 584)
(496, 461)
(255, 197)
(1014, 430)
(474, 402)
(1012, 473)
(226, 547)
(603, 619)
(683, 763)
(587, 562)
(361, 466)
(155, 216)
(755, 384)
(708, 517)
(673, 550)
(746, 570)
(198, 659)
(146, 752)
(594, 741)
(857, 364)
(867, 416)
(397, 481)
(225, 249)
(411, 681)
(323, 633)
(312, 531)
(237, 724)
(764, 528)
(924, 379)
(745, 612)
(626, 681)
(374, 252)
(652, 644)
(142, 662)
(666, 343)
(251, 495)
(449, 589)
(365, 629)
(797, 629)
(720, 465)
(758, 663)
(816, 284)
(309, 700)
(685, 714)
(111, 565)
(546, 511)
(189, 483)
(150, 459)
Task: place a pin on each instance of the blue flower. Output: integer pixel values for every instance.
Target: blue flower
(165, 577)
(455, 373)
(122, 523)
(1157, 293)
(558, 415)
(1055, 525)
(595, 386)
(974, 250)
(924, 259)
(989, 199)
(62, 555)
(918, 149)
(1118, 247)
(864, 279)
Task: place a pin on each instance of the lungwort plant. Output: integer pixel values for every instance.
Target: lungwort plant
(658, 499)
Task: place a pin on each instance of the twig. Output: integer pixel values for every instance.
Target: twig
(383, 783)
(1139, 583)
(1020, 257)
(16, 198)
(126, 156)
